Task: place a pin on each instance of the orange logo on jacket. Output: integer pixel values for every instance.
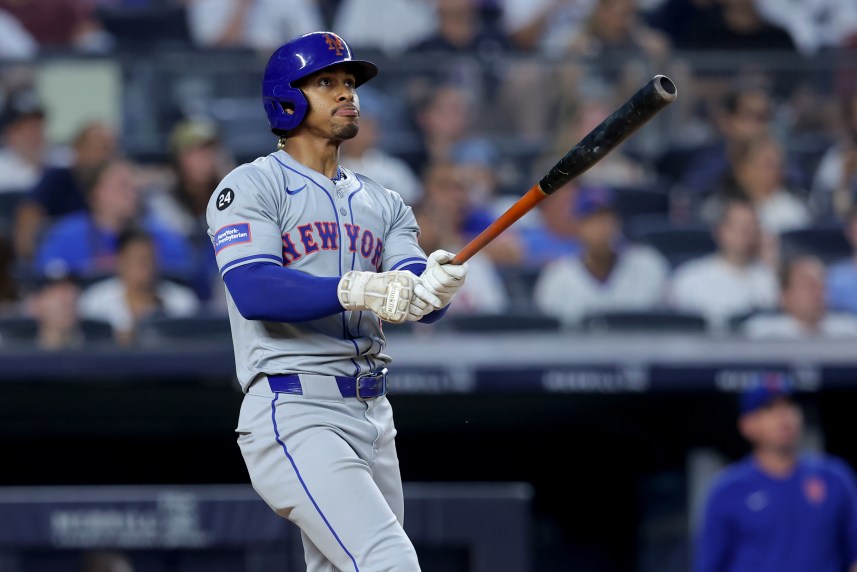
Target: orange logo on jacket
(334, 44)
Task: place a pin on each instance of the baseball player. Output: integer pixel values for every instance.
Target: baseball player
(315, 258)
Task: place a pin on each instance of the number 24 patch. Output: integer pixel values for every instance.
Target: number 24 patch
(225, 198)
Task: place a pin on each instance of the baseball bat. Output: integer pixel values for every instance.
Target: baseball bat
(659, 92)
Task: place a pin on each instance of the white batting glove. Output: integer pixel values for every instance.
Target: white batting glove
(437, 285)
(388, 294)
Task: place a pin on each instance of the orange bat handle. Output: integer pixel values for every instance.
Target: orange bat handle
(521, 207)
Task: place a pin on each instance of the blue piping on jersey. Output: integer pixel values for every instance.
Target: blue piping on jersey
(303, 484)
(401, 263)
(229, 265)
(353, 262)
(345, 335)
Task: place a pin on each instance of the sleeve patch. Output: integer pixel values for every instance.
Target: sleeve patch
(231, 235)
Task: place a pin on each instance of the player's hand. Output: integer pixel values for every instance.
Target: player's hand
(438, 284)
(388, 294)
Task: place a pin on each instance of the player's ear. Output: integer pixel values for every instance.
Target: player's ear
(289, 108)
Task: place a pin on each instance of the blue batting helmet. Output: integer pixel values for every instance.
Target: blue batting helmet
(297, 59)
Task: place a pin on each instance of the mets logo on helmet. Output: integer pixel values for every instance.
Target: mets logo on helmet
(334, 44)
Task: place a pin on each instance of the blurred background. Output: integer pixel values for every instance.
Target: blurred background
(570, 411)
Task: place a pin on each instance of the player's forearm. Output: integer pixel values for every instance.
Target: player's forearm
(268, 292)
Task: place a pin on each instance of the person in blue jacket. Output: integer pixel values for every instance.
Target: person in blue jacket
(780, 508)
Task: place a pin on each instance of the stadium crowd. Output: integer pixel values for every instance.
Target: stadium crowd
(738, 208)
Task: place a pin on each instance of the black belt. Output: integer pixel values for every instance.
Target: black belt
(363, 387)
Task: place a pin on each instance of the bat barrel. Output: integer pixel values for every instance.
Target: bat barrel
(659, 92)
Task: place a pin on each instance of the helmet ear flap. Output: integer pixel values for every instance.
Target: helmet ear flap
(275, 108)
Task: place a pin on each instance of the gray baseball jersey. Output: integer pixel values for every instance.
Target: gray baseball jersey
(277, 210)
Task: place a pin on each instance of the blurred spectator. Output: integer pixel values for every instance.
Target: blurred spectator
(445, 116)
(737, 25)
(54, 307)
(780, 508)
(8, 283)
(550, 231)
(834, 187)
(396, 28)
(679, 19)
(607, 274)
(262, 25)
(804, 312)
(105, 561)
(616, 168)
(461, 29)
(758, 168)
(746, 112)
(22, 156)
(484, 291)
(544, 25)
(85, 242)
(842, 276)
(60, 190)
(15, 41)
(733, 281)
(61, 24)
(137, 291)
(814, 25)
(198, 162)
(363, 154)
(613, 31)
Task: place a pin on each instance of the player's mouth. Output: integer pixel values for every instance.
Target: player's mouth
(347, 111)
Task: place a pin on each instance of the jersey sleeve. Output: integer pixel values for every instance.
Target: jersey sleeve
(711, 548)
(849, 524)
(243, 221)
(401, 247)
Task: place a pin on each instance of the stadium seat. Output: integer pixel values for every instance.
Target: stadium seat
(23, 331)
(634, 201)
(158, 329)
(645, 321)
(677, 243)
(507, 322)
(827, 242)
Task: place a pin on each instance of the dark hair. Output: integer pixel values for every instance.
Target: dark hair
(740, 89)
(733, 200)
(131, 234)
(788, 265)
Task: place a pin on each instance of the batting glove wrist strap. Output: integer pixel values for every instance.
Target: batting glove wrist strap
(388, 294)
(438, 284)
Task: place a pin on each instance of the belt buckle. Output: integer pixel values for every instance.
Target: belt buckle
(374, 376)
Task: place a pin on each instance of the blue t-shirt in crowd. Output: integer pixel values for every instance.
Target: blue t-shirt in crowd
(842, 287)
(806, 522)
(76, 244)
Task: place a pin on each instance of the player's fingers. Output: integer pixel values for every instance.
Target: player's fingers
(441, 256)
(454, 271)
(425, 294)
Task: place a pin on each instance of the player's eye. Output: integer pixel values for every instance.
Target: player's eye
(350, 82)
(326, 81)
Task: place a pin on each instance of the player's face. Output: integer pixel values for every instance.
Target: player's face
(775, 427)
(334, 108)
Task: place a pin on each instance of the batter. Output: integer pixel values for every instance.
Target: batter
(315, 258)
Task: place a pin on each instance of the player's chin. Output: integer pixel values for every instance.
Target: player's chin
(345, 130)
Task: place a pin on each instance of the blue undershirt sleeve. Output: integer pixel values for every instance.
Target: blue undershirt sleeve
(269, 292)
